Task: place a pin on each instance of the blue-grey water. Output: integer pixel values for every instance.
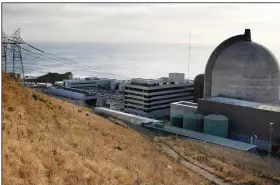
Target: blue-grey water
(117, 60)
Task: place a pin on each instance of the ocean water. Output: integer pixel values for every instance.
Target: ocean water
(116, 60)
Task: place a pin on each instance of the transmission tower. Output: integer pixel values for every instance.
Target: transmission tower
(4, 51)
(14, 41)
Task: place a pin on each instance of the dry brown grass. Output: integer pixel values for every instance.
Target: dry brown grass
(234, 166)
(48, 141)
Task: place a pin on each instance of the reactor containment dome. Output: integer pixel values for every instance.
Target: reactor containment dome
(241, 69)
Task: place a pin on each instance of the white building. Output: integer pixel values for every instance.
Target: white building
(89, 83)
(79, 98)
(152, 97)
(182, 107)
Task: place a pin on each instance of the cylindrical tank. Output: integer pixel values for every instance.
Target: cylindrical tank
(193, 121)
(177, 120)
(198, 87)
(216, 124)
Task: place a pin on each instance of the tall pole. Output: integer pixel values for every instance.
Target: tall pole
(189, 56)
(21, 62)
(270, 136)
(14, 57)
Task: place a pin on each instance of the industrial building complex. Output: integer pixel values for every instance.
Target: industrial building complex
(237, 98)
(145, 97)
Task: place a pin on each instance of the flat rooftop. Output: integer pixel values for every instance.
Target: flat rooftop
(185, 103)
(80, 91)
(243, 103)
(205, 137)
(86, 79)
(156, 82)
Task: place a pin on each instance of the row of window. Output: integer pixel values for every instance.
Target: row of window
(145, 85)
(150, 96)
(150, 101)
(158, 104)
(156, 90)
(81, 83)
(147, 111)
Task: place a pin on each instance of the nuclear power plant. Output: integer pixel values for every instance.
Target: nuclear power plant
(235, 103)
(242, 82)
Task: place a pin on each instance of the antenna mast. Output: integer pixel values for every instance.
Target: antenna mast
(189, 56)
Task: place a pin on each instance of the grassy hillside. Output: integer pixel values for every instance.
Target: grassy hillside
(48, 141)
(234, 166)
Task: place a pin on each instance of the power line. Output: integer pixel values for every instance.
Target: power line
(19, 53)
(80, 66)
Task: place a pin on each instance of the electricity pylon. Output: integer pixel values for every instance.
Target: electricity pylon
(14, 41)
(4, 51)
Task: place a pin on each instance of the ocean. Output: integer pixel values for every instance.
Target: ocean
(116, 60)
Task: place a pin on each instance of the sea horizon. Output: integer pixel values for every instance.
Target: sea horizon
(116, 60)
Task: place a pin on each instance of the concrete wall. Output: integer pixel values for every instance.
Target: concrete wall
(153, 114)
(244, 120)
(176, 108)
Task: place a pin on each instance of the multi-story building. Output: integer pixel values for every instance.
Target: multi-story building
(152, 97)
(88, 83)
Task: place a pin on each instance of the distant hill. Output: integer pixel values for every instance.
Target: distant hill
(52, 77)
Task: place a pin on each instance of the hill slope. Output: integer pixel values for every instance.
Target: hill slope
(48, 141)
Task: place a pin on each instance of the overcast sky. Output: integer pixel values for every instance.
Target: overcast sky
(209, 24)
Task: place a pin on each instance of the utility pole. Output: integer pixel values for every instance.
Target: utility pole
(270, 136)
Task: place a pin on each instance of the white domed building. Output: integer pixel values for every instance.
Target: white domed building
(242, 69)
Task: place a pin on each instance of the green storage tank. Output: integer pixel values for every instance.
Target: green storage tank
(193, 121)
(215, 124)
(177, 120)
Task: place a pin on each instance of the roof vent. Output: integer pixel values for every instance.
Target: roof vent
(247, 35)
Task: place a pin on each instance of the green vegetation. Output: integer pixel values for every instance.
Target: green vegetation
(42, 99)
(118, 148)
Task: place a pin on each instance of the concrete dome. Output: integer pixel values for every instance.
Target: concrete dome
(242, 69)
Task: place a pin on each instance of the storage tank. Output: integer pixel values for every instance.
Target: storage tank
(177, 120)
(216, 124)
(193, 121)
